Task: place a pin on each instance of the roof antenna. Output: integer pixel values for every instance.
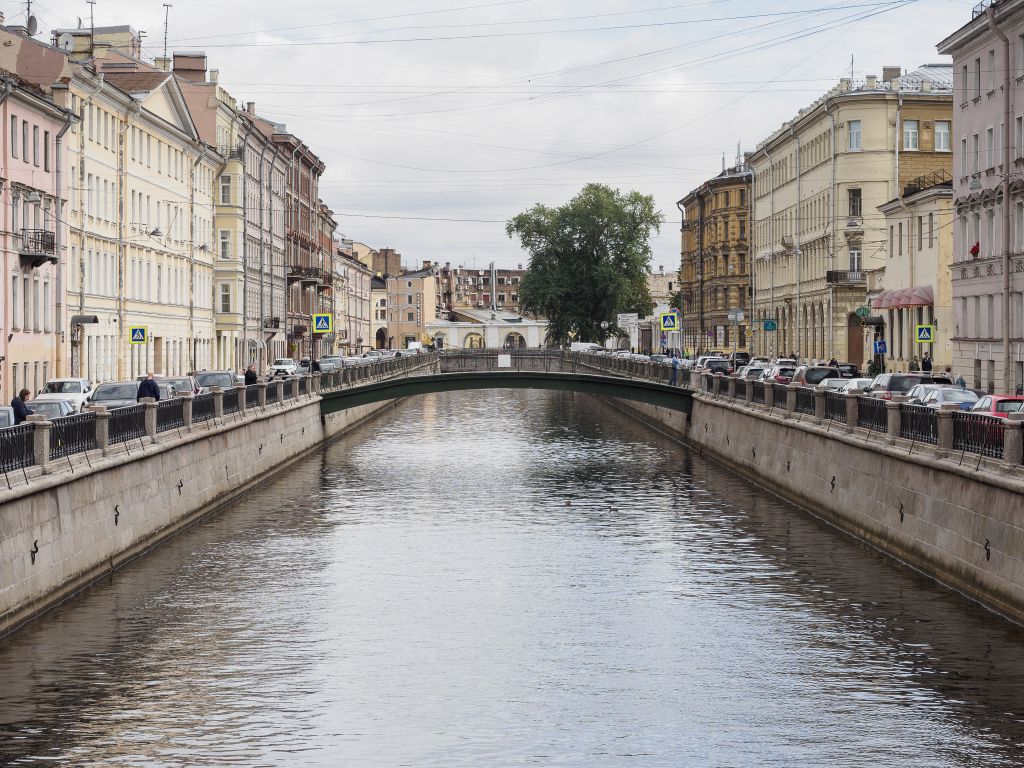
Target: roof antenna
(92, 25)
(167, 16)
(723, 162)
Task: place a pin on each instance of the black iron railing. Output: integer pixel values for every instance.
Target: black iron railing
(170, 414)
(758, 392)
(871, 414)
(919, 423)
(845, 277)
(38, 242)
(741, 389)
(288, 393)
(128, 423)
(805, 400)
(17, 447)
(978, 433)
(272, 392)
(302, 385)
(231, 400)
(202, 408)
(72, 434)
(835, 406)
(252, 396)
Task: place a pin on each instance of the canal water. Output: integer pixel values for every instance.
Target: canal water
(513, 578)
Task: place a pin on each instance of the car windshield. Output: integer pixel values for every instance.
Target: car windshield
(1009, 406)
(902, 384)
(116, 392)
(6, 419)
(958, 396)
(284, 361)
(180, 385)
(785, 371)
(815, 375)
(63, 388)
(47, 408)
(215, 379)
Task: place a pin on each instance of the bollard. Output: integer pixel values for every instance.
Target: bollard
(750, 392)
(261, 393)
(280, 391)
(40, 439)
(295, 387)
(102, 428)
(819, 405)
(790, 400)
(716, 385)
(149, 406)
(1013, 440)
(186, 411)
(852, 408)
(892, 421)
(218, 402)
(769, 395)
(730, 389)
(243, 396)
(944, 432)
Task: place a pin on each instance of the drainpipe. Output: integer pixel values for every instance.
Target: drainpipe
(796, 246)
(58, 237)
(8, 88)
(990, 16)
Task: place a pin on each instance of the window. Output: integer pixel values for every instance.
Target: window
(225, 244)
(856, 203)
(966, 80)
(931, 230)
(24, 141)
(14, 136)
(225, 190)
(990, 149)
(910, 135)
(46, 151)
(920, 233)
(990, 232)
(15, 314)
(977, 153)
(977, 78)
(899, 239)
(411, 316)
(743, 197)
(225, 297)
(963, 157)
(855, 138)
(992, 70)
(408, 298)
(942, 131)
(892, 229)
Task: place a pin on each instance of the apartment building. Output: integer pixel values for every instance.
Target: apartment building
(714, 277)
(818, 239)
(352, 297)
(413, 301)
(988, 196)
(492, 288)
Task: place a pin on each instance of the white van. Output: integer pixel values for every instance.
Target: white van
(584, 346)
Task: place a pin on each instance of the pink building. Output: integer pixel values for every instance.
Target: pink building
(33, 234)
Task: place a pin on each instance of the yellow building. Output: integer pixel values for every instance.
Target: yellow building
(714, 276)
(818, 239)
(412, 303)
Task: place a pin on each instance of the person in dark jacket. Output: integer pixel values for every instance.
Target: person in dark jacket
(21, 411)
(926, 363)
(250, 375)
(148, 388)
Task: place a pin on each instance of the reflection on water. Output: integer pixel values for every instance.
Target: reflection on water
(513, 578)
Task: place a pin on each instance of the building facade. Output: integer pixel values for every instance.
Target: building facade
(816, 231)
(714, 277)
(351, 303)
(413, 301)
(988, 196)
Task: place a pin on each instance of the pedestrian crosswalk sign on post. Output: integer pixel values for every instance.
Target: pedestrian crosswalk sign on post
(925, 334)
(669, 321)
(137, 334)
(323, 323)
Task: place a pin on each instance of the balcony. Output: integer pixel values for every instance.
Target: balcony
(273, 323)
(299, 330)
(310, 275)
(845, 277)
(37, 247)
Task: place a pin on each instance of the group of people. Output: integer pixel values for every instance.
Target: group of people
(925, 365)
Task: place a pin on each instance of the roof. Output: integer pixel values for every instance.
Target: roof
(137, 82)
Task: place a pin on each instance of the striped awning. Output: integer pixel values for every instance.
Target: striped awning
(904, 298)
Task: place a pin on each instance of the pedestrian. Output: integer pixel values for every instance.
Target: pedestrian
(675, 371)
(250, 375)
(148, 388)
(833, 363)
(926, 363)
(960, 382)
(314, 367)
(914, 367)
(21, 411)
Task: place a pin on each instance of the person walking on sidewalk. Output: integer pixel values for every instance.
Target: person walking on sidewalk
(148, 388)
(675, 371)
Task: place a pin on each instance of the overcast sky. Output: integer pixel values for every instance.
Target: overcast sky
(438, 120)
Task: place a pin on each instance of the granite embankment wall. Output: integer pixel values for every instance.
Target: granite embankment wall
(63, 530)
(959, 521)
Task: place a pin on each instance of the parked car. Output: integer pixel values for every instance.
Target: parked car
(999, 405)
(963, 398)
(754, 372)
(374, 353)
(661, 359)
(780, 374)
(115, 394)
(833, 384)
(6, 416)
(722, 366)
(849, 371)
(207, 379)
(810, 375)
(702, 362)
(917, 393)
(885, 385)
(283, 366)
(857, 383)
(52, 409)
(75, 390)
(180, 385)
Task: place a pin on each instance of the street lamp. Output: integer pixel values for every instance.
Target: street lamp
(604, 331)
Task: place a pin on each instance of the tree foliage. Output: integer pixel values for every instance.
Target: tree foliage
(588, 261)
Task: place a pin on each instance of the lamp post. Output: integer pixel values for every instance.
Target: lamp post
(604, 331)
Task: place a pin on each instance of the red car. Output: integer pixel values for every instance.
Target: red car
(998, 405)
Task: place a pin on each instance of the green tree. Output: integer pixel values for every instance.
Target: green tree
(588, 261)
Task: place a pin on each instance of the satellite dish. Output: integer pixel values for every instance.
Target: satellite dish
(32, 26)
(66, 42)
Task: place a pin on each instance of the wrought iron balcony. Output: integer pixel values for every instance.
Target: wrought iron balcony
(311, 275)
(299, 330)
(38, 246)
(845, 277)
(272, 322)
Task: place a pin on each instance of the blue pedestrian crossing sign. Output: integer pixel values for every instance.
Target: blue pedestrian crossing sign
(880, 347)
(323, 323)
(137, 334)
(669, 321)
(925, 334)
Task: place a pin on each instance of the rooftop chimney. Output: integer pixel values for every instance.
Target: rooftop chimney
(162, 62)
(214, 76)
(872, 82)
(250, 107)
(890, 73)
(190, 65)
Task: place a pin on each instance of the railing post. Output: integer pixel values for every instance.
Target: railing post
(852, 409)
(218, 402)
(1013, 440)
(280, 391)
(186, 411)
(819, 405)
(102, 429)
(243, 395)
(790, 399)
(892, 421)
(750, 392)
(261, 393)
(731, 388)
(149, 411)
(944, 432)
(716, 385)
(769, 395)
(40, 440)
(295, 387)
(315, 381)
